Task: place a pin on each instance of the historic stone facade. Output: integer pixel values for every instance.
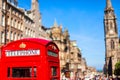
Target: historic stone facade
(70, 55)
(76, 61)
(61, 38)
(12, 20)
(20, 23)
(112, 54)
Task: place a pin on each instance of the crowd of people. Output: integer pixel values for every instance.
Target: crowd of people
(99, 77)
(92, 77)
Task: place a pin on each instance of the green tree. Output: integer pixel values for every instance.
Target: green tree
(117, 69)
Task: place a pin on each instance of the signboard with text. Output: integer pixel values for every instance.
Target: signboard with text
(9, 53)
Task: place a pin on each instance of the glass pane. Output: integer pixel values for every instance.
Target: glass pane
(54, 71)
(53, 54)
(21, 72)
(54, 79)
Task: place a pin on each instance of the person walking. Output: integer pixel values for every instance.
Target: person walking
(100, 77)
(117, 78)
(105, 77)
(111, 78)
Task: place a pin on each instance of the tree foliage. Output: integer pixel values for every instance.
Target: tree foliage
(117, 69)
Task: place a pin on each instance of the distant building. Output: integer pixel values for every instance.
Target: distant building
(112, 49)
(75, 60)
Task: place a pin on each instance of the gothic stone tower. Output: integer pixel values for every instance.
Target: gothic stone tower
(111, 38)
(36, 16)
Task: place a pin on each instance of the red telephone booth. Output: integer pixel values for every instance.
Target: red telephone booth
(30, 59)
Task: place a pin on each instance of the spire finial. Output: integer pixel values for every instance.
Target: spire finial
(55, 23)
(108, 4)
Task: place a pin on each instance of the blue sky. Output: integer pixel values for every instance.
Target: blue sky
(83, 19)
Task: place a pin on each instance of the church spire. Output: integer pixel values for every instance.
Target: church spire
(109, 5)
(55, 23)
(111, 37)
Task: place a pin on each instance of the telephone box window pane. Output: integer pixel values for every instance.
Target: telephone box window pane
(54, 71)
(54, 79)
(53, 54)
(21, 72)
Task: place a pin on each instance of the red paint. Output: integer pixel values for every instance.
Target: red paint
(29, 59)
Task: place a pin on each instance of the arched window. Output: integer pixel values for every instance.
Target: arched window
(112, 44)
(111, 25)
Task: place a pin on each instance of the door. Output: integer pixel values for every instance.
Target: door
(54, 71)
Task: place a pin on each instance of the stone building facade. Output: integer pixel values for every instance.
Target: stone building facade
(61, 38)
(12, 20)
(70, 55)
(17, 23)
(76, 61)
(20, 23)
(112, 54)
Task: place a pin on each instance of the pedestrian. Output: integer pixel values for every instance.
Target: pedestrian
(111, 78)
(100, 78)
(117, 78)
(105, 77)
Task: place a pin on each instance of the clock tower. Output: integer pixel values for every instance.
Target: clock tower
(111, 38)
